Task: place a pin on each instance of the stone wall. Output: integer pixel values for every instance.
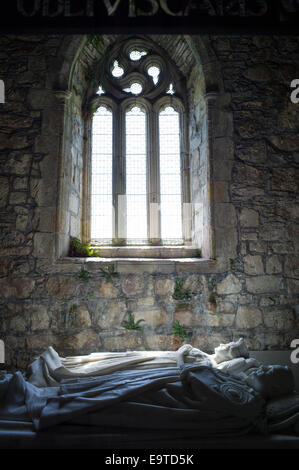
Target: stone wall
(247, 183)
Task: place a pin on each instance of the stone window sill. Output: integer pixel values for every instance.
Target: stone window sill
(153, 252)
(146, 265)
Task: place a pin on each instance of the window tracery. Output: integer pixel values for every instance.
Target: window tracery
(141, 94)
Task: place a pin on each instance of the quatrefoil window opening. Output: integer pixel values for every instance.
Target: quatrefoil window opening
(137, 71)
(154, 72)
(136, 55)
(117, 70)
(135, 89)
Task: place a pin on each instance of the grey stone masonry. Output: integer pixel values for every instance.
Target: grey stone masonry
(244, 167)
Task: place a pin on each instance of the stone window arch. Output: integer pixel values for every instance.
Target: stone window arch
(209, 138)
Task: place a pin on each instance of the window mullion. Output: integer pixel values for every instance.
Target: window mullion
(119, 179)
(154, 220)
(185, 179)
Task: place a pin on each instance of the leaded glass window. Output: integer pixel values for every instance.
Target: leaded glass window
(139, 158)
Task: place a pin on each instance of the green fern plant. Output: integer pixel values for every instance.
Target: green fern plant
(84, 275)
(179, 331)
(180, 293)
(131, 324)
(109, 273)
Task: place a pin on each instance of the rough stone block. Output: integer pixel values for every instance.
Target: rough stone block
(220, 320)
(39, 98)
(248, 317)
(273, 232)
(107, 289)
(285, 179)
(257, 247)
(61, 286)
(225, 307)
(44, 245)
(153, 317)
(130, 340)
(40, 319)
(80, 318)
(20, 288)
(226, 243)
(164, 287)
(17, 198)
(156, 342)
(249, 218)
(258, 73)
(280, 320)
(221, 193)
(225, 215)
(87, 341)
(263, 284)
(133, 285)
(255, 154)
(293, 286)
(287, 142)
(273, 265)
(253, 265)
(18, 324)
(184, 317)
(112, 315)
(229, 285)
(144, 302)
(248, 175)
(40, 342)
(4, 189)
(292, 266)
(17, 164)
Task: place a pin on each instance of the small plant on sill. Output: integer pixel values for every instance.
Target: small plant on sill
(131, 324)
(79, 249)
(109, 273)
(180, 331)
(84, 275)
(180, 293)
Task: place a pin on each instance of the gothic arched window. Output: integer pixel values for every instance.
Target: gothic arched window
(139, 191)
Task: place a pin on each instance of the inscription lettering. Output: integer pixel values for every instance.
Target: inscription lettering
(241, 8)
(263, 16)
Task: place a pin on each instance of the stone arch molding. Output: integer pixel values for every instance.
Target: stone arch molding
(200, 62)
